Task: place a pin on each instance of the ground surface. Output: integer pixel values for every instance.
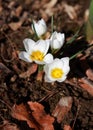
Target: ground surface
(15, 22)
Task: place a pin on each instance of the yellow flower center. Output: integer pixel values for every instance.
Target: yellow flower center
(57, 73)
(37, 55)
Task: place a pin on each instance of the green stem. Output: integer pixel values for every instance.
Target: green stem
(52, 24)
(72, 57)
(40, 68)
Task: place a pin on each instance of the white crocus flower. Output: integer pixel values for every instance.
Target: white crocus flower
(40, 27)
(57, 40)
(57, 70)
(36, 51)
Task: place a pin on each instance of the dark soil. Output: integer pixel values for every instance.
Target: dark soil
(14, 89)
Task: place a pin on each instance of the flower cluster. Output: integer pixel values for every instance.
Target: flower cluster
(55, 69)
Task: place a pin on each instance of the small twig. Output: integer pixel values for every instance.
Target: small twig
(6, 104)
(48, 96)
(78, 108)
(5, 60)
(2, 118)
(1, 49)
(71, 83)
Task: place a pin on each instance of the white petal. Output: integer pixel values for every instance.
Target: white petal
(42, 45)
(62, 79)
(39, 62)
(54, 64)
(65, 60)
(56, 44)
(29, 44)
(57, 40)
(66, 67)
(48, 77)
(42, 22)
(57, 63)
(61, 37)
(46, 68)
(48, 80)
(53, 36)
(40, 27)
(47, 71)
(24, 56)
(48, 58)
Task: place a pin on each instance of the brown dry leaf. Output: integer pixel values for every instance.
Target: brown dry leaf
(70, 10)
(51, 4)
(3, 68)
(20, 112)
(16, 25)
(8, 126)
(63, 107)
(11, 4)
(18, 11)
(48, 9)
(89, 73)
(28, 2)
(1, 8)
(45, 120)
(32, 69)
(85, 66)
(86, 84)
(15, 54)
(67, 127)
(16, 69)
(33, 113)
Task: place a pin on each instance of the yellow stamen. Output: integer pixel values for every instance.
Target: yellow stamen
(37, 55)
(57, 73)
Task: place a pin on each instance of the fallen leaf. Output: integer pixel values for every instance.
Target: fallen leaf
(50, 4)
(33, 113)
(18, 11)
(16, 69)
(67, 127)
(63, 107)
(11, 4)
(1, 8)
(45, 120)
(86, 84)
(16, 25)
(3, 68)
(32, 69)
(8, 126)
(70, 10)
(20, 112)
(85, 66)
(89, 73)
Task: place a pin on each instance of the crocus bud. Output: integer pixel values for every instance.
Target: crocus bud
(40, 27)
(57, 40)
